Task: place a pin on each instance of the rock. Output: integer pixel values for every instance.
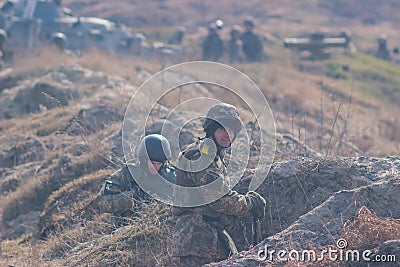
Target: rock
(22, 225)
(18, 150)
(91, 120)
(322, 225)
(98, 117)
(389, 248)
(168, 127)
(43, 94)
(297, 186)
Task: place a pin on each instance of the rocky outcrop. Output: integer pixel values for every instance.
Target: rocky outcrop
(321, 197)
(18, 150)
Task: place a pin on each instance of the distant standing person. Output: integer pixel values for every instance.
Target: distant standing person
(235, 45)
(58, 42)
(6, 55)
(212, 45)
(177, 37)
(252, 45)
(383, 52)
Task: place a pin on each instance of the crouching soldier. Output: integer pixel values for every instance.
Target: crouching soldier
(121, 195)
(6, 55)
(201, 233)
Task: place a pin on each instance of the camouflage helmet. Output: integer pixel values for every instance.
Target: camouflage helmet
(59, 39)
(382, 39)
(154, 147)
(235, 30)
(220, 115)
(3, 36)
(181, 29)
(212, 27)
(249, 21)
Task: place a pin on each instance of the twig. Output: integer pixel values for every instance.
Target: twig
(331, 133)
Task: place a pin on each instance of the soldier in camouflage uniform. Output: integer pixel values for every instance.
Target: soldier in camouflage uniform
(121, 195)
(177, 37)
(383, 52)
(212, 45)
(6, 55)
(235, 45)
(252, 45)
(201, 233)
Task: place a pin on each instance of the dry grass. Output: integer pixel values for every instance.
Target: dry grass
(68, 205)
(366, 231)
(281, 19)
(32, 194)
(145, 242)
(336, 116)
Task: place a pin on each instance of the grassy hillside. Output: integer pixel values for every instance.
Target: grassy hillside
(55, 154)
(365, 19)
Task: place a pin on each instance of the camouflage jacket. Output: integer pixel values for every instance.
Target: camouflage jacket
(252, 46)
(121, 193)
(234, 50)
(213, 48)
(198, 229)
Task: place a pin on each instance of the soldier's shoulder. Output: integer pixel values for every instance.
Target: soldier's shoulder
(125, 172)
(126, 167)
(191, 151)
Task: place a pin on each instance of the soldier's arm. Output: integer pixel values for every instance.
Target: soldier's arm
(259, 44)
(121, 177)
(115, 203)
(232, 203)
(112, 198)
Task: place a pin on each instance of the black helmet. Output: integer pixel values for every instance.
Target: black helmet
(154, 147)
(59, 39)
(221, 115)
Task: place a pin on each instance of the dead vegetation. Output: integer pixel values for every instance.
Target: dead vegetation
(366, 232)
(64, 152)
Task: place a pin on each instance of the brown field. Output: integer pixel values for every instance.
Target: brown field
(346, 105)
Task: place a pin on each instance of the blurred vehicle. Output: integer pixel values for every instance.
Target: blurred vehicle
(31, 23)
(317, 42)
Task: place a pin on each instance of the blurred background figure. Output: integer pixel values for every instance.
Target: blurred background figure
(252, 45)
(383, 52)
(235, 45)
(177, 37)
(57, 2)
(6, 13)
(212, 45)
(219, 24)
(396, 55)
(6, 55)
(58, 42)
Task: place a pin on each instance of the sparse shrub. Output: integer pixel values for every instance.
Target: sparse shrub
(32, 194)
(67, 206)
(369, 231)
